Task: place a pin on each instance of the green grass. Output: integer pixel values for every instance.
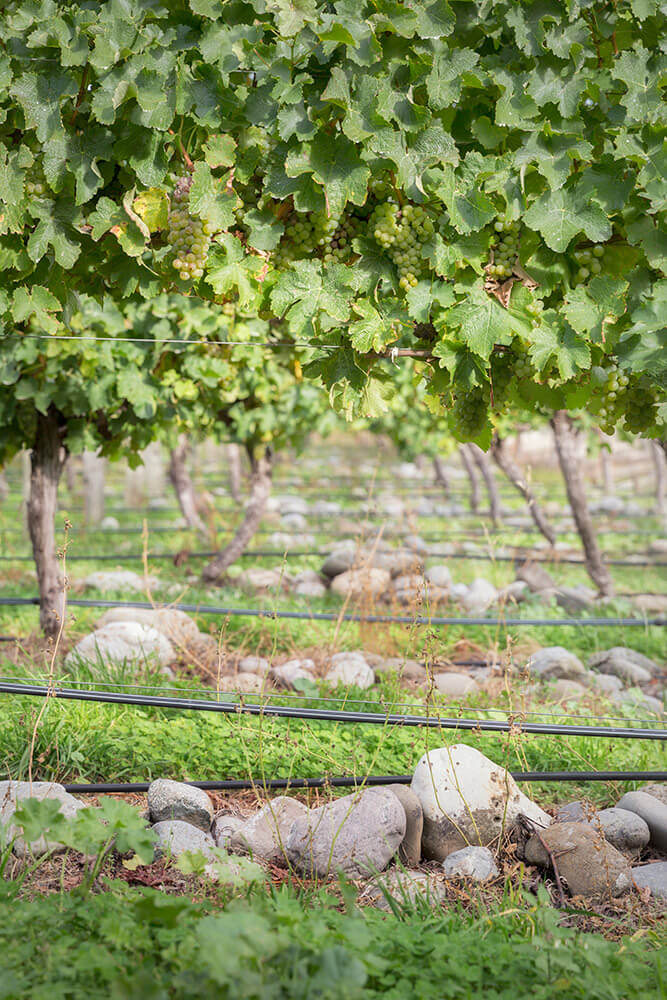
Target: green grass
(131, 944)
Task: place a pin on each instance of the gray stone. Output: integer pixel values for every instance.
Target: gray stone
(515, 591)
(121, 579)
(535, 576)
(458, 591)
(254, 665)
(480, 595)
(293, 670)
(564, 690)
(234, 871)
(176, 800)
(658, 791)
(404, 888)
(259, 579)
(654, 878)
(174, 837)
(13, 795)
(179, 628)
(646, 703)
(242, 683)
(410, 851)
(309, 588)
(341, 559)
(555, 662)
(409, 670)
(591, 867)
(399, 562)
(455, 685)
(350, 669)
(466, 799)
(575, 812)
(617, 663)
(652, 811)
(121, 643)
(598, 660)
(624, 829)
(265, 834)
(439, 576)
(223, 826)
(574, 599)
(369, 581)
(606, 683)
(355, 834)
(475, 863)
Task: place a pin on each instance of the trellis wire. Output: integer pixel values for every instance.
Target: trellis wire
(331, 715)
(206, 609)
(318, 697)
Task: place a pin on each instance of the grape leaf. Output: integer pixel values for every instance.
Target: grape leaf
(482, 322)
(334, 164)
(561, 215)
(555, 340)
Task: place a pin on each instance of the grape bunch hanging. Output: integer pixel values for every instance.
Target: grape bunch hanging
(402, 232)
(189, 236)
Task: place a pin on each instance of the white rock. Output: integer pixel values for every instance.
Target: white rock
(175, 837)
(242, 683)
(467, 800)
(309, 588)
(264, 835)
(554, 662)
(261, 579)
(475, 863)
(177, 800)
(350, 669)
(121, 579)
(295, 521)
(109, 523)
(13, 795)
(254, 665)
(440, 576)
(355, 834)
(176, 625)
(123, 642)
(293, 670)
(480, 595)
(223, 826)
(458, 592)
(455, 685)
(370, 582)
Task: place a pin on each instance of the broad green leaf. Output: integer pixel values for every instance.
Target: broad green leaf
(335, 165)
(211, 199)
(555, 340)
(588, 308)
(561, 215)
(482, 322)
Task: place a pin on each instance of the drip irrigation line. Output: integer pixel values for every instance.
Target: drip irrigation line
(337, 701)
(358, 782)
(206, 609)
(301, 553)
(332, 715)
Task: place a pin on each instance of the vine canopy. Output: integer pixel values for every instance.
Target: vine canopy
(481, 183)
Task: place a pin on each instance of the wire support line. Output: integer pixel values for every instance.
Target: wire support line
(382, 707)
(206, 609)
(242, 707)
(359, 781)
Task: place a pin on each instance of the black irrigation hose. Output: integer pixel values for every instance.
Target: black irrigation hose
(331, 715)
(298, 553)
(367, 780)
(322, 616)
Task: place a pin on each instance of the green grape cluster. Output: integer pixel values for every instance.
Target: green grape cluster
(523, 366)
(380, 187)
(340, 246)
(502, 373)
(35, 179)
(505, 245)
(640, 409)
(470, 412)
(610, 386)
(589, 261)
(304, 236)
(189, 237)
(401, 232)
(534, 310)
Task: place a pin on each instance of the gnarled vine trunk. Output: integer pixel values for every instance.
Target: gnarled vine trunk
(260, 488)
(503, 460)
(4, 487)
(473, 478)
(566, 448)
(47, 460)
(441, 477)
(234, 463)
(484, 466)
(179, 477)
